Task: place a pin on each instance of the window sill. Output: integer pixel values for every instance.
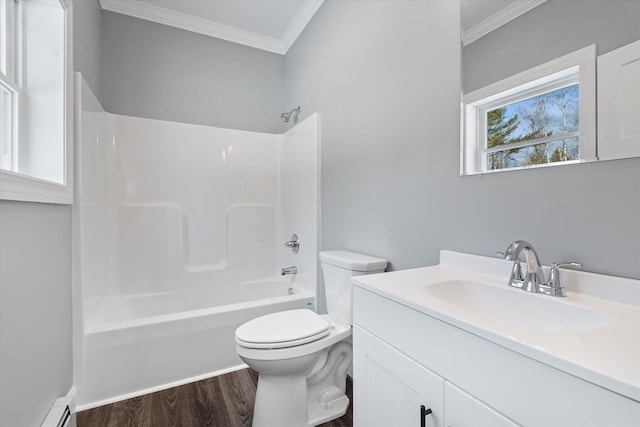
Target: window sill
(27, 189)
(521, 168)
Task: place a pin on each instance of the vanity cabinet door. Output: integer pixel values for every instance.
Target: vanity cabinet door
(389, 387)
(462, 410)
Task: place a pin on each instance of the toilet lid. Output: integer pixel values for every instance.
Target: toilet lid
(282, 329)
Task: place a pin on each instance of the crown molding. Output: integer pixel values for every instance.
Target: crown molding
(498, 19)
(183, 21)
(299, 23)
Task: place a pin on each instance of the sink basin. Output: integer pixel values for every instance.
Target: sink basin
(591, 334)
(516, 307)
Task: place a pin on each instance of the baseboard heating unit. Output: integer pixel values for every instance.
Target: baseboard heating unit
(59, 415)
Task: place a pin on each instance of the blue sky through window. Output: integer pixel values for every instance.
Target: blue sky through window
(551, 113)
(542, 116)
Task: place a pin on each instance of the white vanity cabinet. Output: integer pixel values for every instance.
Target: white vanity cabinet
(462, 410)
(391, 388)
(394, 390)
(404, 358)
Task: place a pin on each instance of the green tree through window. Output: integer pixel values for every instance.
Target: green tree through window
(499, 128)
(541, 118)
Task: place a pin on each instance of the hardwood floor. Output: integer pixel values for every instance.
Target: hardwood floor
(223, 401)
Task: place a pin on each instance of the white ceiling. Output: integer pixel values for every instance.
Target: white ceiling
(274, 25)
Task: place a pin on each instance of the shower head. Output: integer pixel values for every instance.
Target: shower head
(287, 116)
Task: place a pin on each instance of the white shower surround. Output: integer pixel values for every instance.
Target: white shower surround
(171, 220)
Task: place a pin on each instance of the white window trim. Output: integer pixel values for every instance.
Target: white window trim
(11, 41)
(20, 187)
(471, 156)
(12, 80)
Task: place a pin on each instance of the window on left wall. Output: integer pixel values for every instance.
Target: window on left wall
(36, 111)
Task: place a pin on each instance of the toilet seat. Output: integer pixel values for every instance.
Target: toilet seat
(282, 344)
(337, 332)
(282, 330)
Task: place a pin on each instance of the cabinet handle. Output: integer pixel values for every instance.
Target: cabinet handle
(423, 415)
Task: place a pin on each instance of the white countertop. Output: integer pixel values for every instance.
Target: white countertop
(606, 353)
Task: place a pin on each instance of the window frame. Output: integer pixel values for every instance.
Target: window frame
(577, 67)
(11, 78)
(22, 187)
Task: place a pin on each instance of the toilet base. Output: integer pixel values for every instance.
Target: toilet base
(281, 401)
(322, 412)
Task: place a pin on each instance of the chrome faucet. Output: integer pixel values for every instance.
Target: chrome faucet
(534, 280)
(535, 276)
(289, 270)
(510, 255)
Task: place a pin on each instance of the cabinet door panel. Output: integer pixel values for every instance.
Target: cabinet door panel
(389, 387)
(462, 410)
(619, 103)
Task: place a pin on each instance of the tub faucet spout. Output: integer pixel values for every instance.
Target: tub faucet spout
(289, 270)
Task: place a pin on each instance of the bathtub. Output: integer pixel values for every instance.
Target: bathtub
(137, 344)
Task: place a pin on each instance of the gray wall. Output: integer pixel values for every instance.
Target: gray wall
(35, 277)
(35, 310)
(567, 26)
(160, 72)
(87, 27)
(385, 76)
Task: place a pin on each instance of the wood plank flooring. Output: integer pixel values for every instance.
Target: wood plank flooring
(223, 401)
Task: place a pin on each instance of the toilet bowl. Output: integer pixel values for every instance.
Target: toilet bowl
(301, 357)
(297, 383)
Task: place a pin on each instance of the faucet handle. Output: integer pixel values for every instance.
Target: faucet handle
(574, 265)
(294, 243)
(554, 276)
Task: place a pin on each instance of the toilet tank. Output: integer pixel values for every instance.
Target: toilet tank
(338, 267)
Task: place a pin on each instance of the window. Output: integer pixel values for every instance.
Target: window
(541, 117)
(35, 100)
(9, 86)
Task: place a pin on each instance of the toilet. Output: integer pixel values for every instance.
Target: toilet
(301, 357)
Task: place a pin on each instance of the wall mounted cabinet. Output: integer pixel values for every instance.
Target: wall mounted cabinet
(619, 103)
